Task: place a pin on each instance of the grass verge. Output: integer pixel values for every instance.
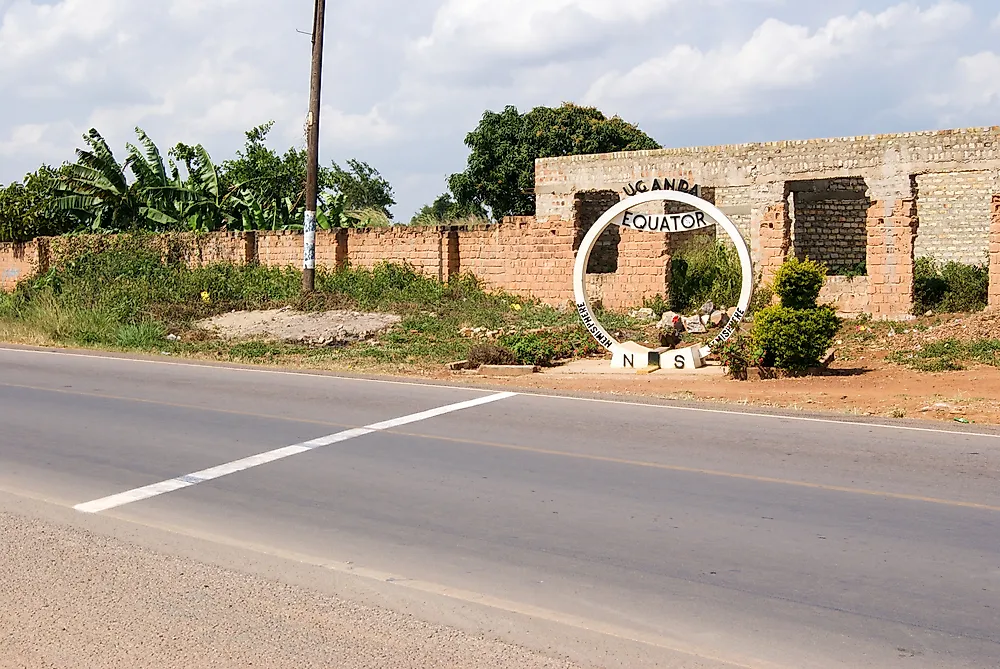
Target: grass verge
(129, 298)
(950, 355)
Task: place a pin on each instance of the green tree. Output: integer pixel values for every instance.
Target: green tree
(273, 178)
(363, 187)
(445, 209)
(27, 208)
(500, 174)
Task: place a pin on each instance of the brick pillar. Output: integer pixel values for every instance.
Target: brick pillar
(995, 253)
(451, 261)
(892, 232)
(774, 241)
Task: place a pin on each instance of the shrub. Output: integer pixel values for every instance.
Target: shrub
(954, 287)
(739, 354)
(659, 305)
(530, 349)
(798, 282)
(704, 270)
(794, 339)
(490, 354)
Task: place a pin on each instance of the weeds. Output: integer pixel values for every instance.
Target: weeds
(129, 296)
(948, 288)
(950, 355)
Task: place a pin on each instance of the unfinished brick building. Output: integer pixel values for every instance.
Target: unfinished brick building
(874, 203)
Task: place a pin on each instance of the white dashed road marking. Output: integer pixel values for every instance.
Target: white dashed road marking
(181, 482)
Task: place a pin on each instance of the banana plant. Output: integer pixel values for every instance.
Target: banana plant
(96, 189)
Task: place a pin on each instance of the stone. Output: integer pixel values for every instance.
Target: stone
(694, 325)
(828, 358)
(929, 313)
(731, 312)
(668, 321)
(173, 337)
(707, 308)
(645, 314)
(718, 319)
(458, 365)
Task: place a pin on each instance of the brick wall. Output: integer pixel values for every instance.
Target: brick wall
(587, 208)
(18, 261)
(995, 253)
(850, 297)
(774, 240)
(870, 157)
(892, 229)
(954, 211)
(830, 220)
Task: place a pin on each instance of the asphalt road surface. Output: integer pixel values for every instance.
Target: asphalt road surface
(609, 533)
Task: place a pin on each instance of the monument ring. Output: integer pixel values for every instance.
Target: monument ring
(706, 215)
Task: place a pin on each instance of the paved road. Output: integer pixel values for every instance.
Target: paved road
(619, 534)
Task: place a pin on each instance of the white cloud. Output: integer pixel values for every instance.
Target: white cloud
(733, 80)
(470, 34)
(975, 92)
(406, 80)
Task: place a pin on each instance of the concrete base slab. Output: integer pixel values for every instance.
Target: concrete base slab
(603, 368)
(507, 370)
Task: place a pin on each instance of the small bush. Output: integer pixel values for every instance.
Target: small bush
(794, 339)
(530, 349)
(739, 354)
(659, 305)
(704, 270)
(140, 335)
(953, 287)
(490, 354)
(798, 282)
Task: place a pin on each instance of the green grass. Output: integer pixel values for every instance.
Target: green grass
(950, 355)
(129, 298)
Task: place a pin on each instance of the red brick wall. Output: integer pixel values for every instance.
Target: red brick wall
(892, 232)
(200, 250)
(284, 249)
(523, 256)
(422, 247)
(17, 262)
(643, 271)
(995, 253)
(775, 240)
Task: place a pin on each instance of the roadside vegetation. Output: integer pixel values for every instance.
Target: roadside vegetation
(950, 288)
(127, 297)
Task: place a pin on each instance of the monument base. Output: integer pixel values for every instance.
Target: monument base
(631, 355)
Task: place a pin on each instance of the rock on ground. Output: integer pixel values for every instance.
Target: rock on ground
(315, 328)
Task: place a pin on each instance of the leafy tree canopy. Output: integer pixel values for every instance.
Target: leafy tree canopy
(362, 186)
(27, 208)
(445, 209)
(500, 174)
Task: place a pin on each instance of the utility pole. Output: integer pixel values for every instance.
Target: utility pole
(312, 139)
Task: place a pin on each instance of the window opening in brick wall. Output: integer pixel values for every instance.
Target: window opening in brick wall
(588, 206)
(830, 223)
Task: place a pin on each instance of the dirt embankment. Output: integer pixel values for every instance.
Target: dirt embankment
(327, 328)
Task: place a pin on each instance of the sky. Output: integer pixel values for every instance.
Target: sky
(406, 80)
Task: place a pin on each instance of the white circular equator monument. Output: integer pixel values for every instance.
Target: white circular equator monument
(705, 215)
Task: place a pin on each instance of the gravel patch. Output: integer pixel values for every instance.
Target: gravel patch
(328, 328)
(69, 598)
